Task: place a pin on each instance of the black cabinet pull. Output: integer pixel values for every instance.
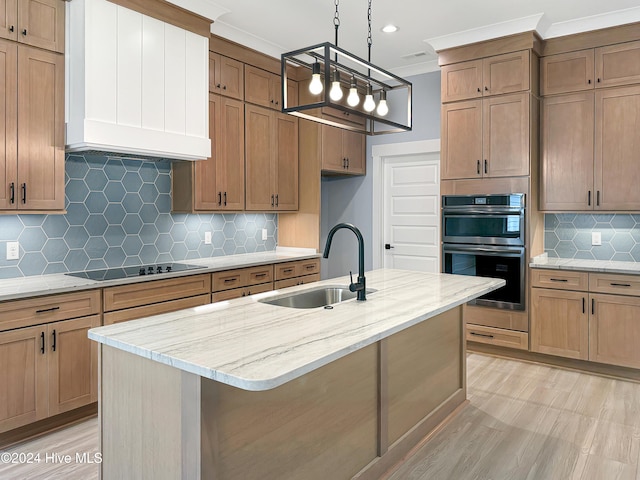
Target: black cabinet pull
(486, 89)
(230, 280)
(478, 166)
(481, 335)
(219, 198)
(24, 193)
(479, 90)
(224, 87)
(485, 166)
(287, 270)
(260, 275)
(273, 200)
(218, 86)
(593, 306)
(583, 304)
(598, 198)
(347, 162)
(11, 29)
(42, 342)
(589, 81)
(24, 32)
(225, 199)
(12, 193)
(53, 346)
(598, 80)
(558, 279)
(277, 202)
(589, 198)
(620, 284)
(44, 310)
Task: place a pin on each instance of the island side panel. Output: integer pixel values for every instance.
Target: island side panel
(321, 425)
(149, 418)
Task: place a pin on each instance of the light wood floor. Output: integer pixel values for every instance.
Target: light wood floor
(524, 422)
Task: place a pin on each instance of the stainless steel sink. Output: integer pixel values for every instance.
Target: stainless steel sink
(313, 298)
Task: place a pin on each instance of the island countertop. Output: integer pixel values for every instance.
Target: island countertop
(257, 346)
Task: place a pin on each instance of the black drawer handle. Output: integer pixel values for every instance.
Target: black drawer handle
(310, 267)
(230, 280)
(260, 275)
(45, 310)
(42, 342)
(558, 279)
(620, 284)
(481, 335)
(287, 270)
(53, 346)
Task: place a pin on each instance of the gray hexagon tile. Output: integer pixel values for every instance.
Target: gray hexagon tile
(119, 213)
(568, 235)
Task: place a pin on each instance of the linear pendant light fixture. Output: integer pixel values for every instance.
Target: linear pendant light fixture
(346, 91)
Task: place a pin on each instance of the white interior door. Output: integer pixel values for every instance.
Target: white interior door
(411, 222)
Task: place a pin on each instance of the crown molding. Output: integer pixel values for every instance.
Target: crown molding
(246, 39)
(204, 8)
(595, 22)
(416, 69)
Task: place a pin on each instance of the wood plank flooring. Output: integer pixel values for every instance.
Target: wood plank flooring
(524, 422)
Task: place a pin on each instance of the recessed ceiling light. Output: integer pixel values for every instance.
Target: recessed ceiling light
(389, 28)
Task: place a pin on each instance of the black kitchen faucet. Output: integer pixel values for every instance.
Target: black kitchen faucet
(360, 286)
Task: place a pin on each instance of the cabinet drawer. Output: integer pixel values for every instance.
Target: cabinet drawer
(146, 293)
(559, 279)
(258, 275)
(241, 292)
(614, 283)
(227, 280)
(34, 311)
(155, 309)
(291, 282)
(297, 268)
(498, 336)
(242, 277)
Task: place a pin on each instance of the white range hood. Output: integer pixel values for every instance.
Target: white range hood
(135, 85)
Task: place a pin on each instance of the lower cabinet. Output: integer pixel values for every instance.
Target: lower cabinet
(50, 366)
(299, 272)
(241, 282)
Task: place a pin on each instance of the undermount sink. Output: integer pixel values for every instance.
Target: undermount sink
(313, 298)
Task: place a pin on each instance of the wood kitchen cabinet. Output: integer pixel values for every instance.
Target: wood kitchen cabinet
(299, 272)
(240, 282)
(264, 88)
(343, 151)
(32, 162)
(49, 364)
(217, 183)
(39, 23)
(486, 138)
(606, 66)
(496, 75)
(226, 76)
(271, 156)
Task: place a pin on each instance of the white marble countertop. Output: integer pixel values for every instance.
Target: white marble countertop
(37, 285)
(257, 346)
(597, 266)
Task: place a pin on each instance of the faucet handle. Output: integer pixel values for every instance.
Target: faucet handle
(351, 276)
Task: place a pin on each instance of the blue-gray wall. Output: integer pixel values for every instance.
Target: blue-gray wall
(351, 199)
(118, 213)
(568, 235)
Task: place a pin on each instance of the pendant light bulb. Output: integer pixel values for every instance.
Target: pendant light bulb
(369, 105)
(383, 108)
(353, 99)
(315, 86)
(336, 89)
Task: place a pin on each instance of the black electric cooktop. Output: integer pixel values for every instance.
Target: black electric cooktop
(126, 272)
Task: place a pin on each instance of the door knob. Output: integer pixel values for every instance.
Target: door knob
(388, 246)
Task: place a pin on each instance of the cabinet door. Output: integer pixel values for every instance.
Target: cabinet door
(285, 161)
(618, 64)
(231, 78)
(617, 169)
(461, 81)
(40, 129)
(506, 133)
(506, 73)
(23, 377)
(8, 126)
(258, 86)
(333, 159)
(567, 72)
(41, 23)
(206, 183)
(354, 151)
(230, 166)
(292, 93)
(73, 364)
(9, 19)
(259, 148)
(461, 140)
(614, 330)
(559, 323)
(567, 153)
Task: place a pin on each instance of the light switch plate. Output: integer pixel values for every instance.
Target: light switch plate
(264, 233)
(13, 251)
(596, 238)
(207, 238)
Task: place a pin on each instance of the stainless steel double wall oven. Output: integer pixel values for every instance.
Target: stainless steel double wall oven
(484, 235)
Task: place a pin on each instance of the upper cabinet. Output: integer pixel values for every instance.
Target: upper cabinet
(606, 66)
(343, 151)
(496, 75)
(226, 76)
(39, 23)
(136, 84)
(265, 88)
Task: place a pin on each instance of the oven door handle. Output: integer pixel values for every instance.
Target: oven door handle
(483, 211)
(499, 251)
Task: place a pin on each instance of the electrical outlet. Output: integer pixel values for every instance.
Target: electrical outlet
(13, 250)
(264, 233)
(596, 238)
(207, 238)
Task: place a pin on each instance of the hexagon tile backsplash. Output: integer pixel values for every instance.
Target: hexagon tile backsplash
(568, 235)
(118, 213)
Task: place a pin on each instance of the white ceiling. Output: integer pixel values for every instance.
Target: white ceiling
(278, 26)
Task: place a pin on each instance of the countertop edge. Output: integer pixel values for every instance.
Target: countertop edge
(585, 265)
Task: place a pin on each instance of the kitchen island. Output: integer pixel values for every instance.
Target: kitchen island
(244, 389)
